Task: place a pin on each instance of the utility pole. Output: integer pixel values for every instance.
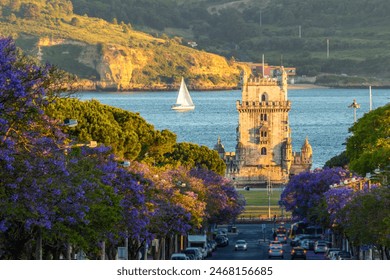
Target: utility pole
(327, 48)
(260, 20)
(370, 99)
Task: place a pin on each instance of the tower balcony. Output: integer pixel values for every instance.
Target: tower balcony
(263, 105)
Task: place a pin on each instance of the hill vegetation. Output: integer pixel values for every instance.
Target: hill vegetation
(291, 32)
(105, 41)
(111, 55)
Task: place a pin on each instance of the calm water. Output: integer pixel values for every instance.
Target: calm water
(321, 114)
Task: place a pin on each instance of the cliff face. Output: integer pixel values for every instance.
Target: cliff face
(117, 67)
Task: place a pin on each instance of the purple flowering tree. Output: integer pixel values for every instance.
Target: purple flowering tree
(224, 203)
(305, 192)
(29, 150)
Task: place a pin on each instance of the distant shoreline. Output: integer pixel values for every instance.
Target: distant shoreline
(305, 86)
(290, 87)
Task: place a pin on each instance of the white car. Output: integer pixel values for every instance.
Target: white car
(320, 247)
(241, 245)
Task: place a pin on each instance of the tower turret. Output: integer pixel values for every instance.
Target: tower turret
(306, 151)
(220, 148)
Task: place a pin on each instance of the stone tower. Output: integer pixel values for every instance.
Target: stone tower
(264, 150)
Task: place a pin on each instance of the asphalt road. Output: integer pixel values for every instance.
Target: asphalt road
(258, 242)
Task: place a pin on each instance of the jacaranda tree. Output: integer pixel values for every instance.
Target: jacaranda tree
(29, 149)
(305, 191)
(54, 197)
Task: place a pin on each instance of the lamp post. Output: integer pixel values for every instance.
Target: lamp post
(355, 106)
(269, 192)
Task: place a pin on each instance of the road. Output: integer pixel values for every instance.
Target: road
(258, 241)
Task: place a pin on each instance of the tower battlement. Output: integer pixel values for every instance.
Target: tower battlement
(259, 81)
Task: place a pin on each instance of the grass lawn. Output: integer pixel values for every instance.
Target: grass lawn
(257, 203)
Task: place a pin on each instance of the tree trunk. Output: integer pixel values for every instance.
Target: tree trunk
(39, 251)
(68, 251)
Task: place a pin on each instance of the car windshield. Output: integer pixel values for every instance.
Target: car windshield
(240, 242)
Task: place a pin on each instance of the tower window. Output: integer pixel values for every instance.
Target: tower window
(263, 151)
(263, 133)
(264, 97)
(263, 117)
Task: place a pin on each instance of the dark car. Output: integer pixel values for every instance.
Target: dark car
(222, 241)
(298, 253)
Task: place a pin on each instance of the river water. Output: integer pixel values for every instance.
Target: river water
(321, 114)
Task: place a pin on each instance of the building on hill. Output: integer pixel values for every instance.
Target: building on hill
(263, 152)
(265, 70)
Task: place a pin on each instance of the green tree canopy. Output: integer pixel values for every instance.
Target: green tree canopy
(369, 146)
(192, 155)
(127, 133)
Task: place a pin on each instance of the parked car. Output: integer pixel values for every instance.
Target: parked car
(179, 256)
(222, 240)
(194, 251)
(221, 231)
(298, 253)
(241, 245)
(333, 255)
(213, 244)
(329, 250)
(209, 249)
(344, 255)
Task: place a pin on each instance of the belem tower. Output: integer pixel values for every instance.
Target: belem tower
(264, 153)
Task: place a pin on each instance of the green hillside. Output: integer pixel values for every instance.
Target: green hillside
(292, 32)
(140, 45)
(111, 56)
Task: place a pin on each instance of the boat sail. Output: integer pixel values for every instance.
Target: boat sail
(183, 101)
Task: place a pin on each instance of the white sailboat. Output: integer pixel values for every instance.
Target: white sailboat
(184, 100)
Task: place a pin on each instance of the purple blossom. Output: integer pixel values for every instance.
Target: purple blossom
(3, 226)
(306, 190)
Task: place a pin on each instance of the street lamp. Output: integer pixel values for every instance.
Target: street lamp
(269, 192)
(355, 106)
